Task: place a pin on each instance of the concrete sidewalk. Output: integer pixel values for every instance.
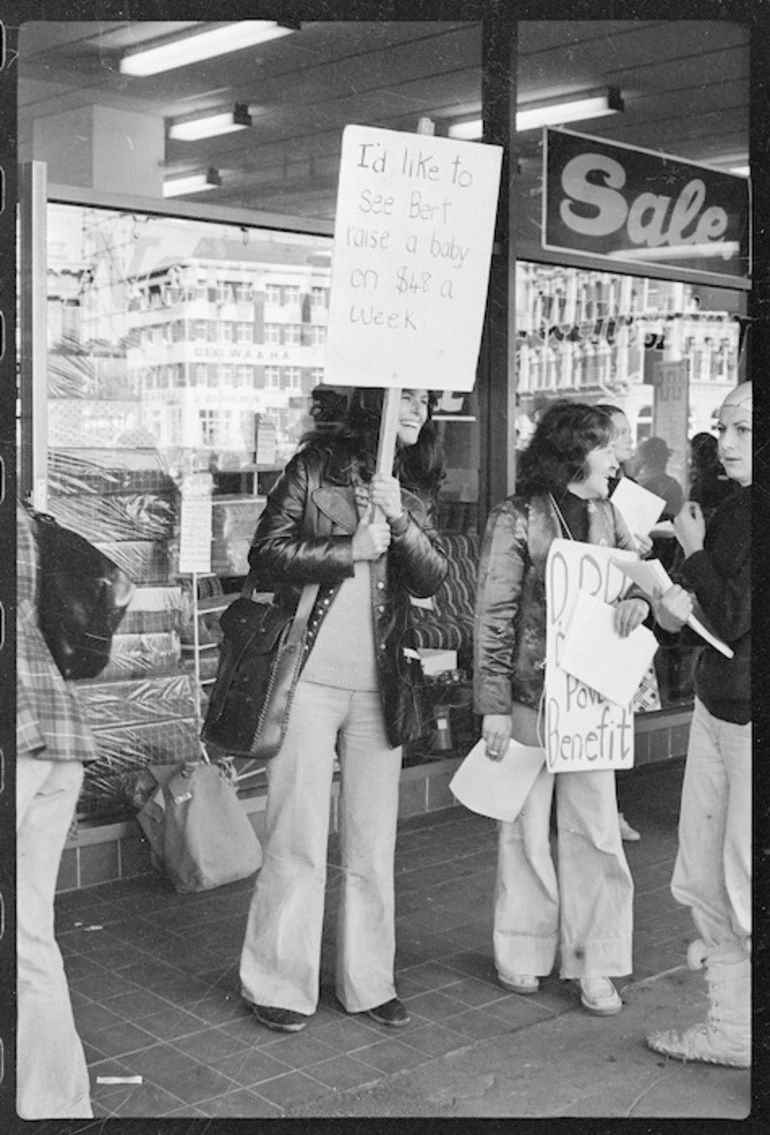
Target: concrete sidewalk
(573, 1065)
(156, 996)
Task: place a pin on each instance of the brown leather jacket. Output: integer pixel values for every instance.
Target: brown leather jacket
(509, 618)
(293, 547)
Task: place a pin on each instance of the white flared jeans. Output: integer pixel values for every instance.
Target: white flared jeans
(712, 874)
(583, 905)
(51, 1073)
(281, 955)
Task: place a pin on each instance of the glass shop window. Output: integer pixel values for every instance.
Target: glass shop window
(665, 354)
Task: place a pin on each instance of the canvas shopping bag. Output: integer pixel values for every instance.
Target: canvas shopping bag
(197, 828)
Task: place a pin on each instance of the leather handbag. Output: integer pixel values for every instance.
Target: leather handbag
(259, 664)
(260, 657)
(82, 598)
(197, 829)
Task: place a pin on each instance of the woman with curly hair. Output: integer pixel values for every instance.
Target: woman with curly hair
(581, 907)
(355, 698)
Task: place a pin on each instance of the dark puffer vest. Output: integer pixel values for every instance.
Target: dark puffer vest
(295, 545)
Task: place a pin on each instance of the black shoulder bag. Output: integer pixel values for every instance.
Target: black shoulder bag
(82, 598)
(259, 664)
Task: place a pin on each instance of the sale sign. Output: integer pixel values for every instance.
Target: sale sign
(410, 267)
(609, 200)
(583, 729)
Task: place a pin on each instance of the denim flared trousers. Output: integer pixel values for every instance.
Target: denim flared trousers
(281, 955)
(581, 906)
(51, 1073)
(712, 874)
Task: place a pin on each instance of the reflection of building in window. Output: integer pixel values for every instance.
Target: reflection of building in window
(222, 323)
(600, 337)
(209, 426)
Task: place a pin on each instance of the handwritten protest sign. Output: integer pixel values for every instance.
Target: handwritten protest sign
(583, 730)
(410, 267)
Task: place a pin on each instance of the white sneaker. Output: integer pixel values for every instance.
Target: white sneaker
(520, 983)
(627, 833)
(599, 996)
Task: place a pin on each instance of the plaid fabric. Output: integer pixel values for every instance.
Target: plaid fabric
(49, 721)
(647, 697)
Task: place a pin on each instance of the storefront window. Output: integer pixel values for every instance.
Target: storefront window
(666, 354)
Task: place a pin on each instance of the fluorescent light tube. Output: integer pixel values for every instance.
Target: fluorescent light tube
(208, 125)
(195, 45)
(191, 183)
(578, 109)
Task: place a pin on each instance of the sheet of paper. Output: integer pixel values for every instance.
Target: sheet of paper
(653, 579)
(638, 506)
(497, 788)
(598, 656)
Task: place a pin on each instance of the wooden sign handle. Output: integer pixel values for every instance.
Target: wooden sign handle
(391, 404)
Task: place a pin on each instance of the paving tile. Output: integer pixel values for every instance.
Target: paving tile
(300, 1050)
(170, 1023)
(250, 1066)
(435, 1005)
(430, 975)
(142, 1100)
(347, 1033)
(518, 1011)
(474, 935)
(209, 1045)
(388, 1055)
(477, 1024)
(214, 1009)
(343, 1073)
(292, 1090)
(90, 1017)
(196, 1083)
(122, 1038)
(435, 1040)
(101, 1111)
(474, 963)
(240, 1104)
(102, 984)
(473, 992)
(159, 1061)
(137, 1004)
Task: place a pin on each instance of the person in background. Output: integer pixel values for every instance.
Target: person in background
(356, 697)
(712, 874)
(52, 742)
(584, 907)
(651, 460)
(709, 484)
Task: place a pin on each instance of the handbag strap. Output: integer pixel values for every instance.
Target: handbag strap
(310, 590)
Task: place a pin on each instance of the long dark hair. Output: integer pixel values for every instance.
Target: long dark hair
(557, 453)
(353, 445)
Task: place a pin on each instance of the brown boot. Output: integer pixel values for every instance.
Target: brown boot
(725, 1036)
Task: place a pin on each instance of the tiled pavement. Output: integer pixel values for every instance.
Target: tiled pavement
(155, 987)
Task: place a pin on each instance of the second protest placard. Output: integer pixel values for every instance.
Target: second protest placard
(410, 270)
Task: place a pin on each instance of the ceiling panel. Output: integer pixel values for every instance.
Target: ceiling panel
(685, 86)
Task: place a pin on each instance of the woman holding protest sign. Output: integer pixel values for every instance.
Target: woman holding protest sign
(367, 538)
(583, 906)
